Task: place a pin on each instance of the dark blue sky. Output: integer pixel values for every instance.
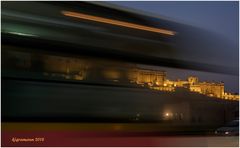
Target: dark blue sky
(219, 17)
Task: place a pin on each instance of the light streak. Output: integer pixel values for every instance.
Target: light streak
(117, 22)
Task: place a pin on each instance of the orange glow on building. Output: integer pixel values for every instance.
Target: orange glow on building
(117, 22)
(149, 77)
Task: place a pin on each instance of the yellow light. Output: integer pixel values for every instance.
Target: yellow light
(167, 114)
(117, 22)
(164, 84)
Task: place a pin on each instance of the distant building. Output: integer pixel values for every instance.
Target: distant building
(192, 80)
(209, 89)
(230, 96)
(195, 88)
(212, 89)
(150, 77)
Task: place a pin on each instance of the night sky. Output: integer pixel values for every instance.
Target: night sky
(221, 18)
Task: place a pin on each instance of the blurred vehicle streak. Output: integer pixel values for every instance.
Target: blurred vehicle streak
(112, 33)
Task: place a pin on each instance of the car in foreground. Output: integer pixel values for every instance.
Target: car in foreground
(230, 129)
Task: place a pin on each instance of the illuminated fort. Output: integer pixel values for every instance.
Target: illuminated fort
(157, 80)
(78, 69)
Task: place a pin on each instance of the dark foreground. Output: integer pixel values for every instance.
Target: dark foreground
(109, 134)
